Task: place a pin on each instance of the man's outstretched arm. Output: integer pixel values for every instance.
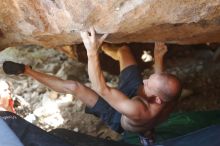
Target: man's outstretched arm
(114, 97)
(160, 50)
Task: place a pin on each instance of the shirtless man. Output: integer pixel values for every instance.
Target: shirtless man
(136, 105)
(141, 106)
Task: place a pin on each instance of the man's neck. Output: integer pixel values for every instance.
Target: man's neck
(140, 91)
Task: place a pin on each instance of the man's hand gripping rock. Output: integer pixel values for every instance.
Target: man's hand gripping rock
(91, 42)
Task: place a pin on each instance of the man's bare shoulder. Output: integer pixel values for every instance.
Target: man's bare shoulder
(149, 109)
(141, 100)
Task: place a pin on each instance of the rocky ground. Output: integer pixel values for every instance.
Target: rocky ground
(197, 67)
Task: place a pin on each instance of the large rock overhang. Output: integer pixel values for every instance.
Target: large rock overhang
(53, 23)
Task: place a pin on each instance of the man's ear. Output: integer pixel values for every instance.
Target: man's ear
(158, 100)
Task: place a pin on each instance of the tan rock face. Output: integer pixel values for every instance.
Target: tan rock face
(55, 23)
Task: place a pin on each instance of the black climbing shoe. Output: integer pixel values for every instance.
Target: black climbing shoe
(12, 68)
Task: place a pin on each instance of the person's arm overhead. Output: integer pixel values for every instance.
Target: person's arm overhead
(114, 97)
(159, 51)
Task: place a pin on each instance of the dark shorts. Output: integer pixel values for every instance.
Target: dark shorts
(129, 81)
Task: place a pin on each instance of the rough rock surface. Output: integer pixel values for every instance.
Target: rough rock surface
(55, 23)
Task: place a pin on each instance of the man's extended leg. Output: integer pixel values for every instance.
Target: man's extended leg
(121, 54)
(85, 94)
(95, 105)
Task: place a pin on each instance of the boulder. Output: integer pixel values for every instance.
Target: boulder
(55, 23)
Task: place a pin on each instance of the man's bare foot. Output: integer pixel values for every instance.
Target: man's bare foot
(112, 51)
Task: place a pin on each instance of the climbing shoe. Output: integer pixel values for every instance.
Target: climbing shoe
(12, 68)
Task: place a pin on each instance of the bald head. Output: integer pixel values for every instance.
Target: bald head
(166, 86)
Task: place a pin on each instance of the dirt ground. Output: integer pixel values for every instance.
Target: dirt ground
(198, 67)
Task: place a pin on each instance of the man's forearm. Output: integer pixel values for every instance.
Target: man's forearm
(159, 51)
(95, 74)
(158, 65)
